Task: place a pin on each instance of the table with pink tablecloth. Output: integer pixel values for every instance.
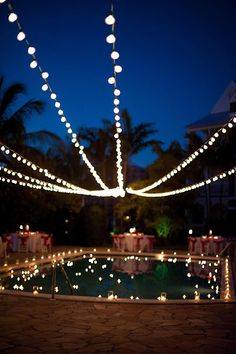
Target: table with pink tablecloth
(133, 242)
(27, 241)
(208, 245)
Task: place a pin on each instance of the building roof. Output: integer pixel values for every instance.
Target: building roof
(219, 114)
(211, 121)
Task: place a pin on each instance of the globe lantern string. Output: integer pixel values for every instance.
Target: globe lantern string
(112, 80)
(21, 36)
(189, 188)
(4, 149)
(203, 148)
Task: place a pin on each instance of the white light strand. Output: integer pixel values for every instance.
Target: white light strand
(35, 181)
(111, 39)
(184, 189)
(101, 193)
(32, 182)
(207, 144)
(13, 17)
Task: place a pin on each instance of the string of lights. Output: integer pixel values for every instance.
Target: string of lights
(21, 36)
(119, 191)
(111, 39)
(184, 189)
(35, 183)
(77, 190)
(203, 148)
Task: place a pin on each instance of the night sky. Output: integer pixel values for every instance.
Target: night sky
(178, 56)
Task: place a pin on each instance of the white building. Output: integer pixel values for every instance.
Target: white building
(217, 202)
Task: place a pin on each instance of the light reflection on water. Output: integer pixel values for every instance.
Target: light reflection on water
(126, 277)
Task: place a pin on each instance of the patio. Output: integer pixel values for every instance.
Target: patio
(30, 325)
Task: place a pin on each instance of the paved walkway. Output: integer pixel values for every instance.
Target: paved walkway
(33, 325)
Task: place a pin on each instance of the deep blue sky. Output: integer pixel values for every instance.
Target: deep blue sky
(178, 56)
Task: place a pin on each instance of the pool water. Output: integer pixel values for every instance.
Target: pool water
(123, 277)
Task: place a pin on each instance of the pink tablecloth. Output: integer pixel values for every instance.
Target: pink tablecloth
(208, 245)
(134, 242)
(28, 242)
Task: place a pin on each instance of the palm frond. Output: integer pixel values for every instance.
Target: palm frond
(10, 96)
(25, 111)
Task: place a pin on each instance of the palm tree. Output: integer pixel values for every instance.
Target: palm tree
(100, 150)
(13, 117)
(135, 138)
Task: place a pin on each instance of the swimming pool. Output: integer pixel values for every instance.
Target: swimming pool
(113, 277)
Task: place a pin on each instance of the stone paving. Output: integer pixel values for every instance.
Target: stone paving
(35, 325)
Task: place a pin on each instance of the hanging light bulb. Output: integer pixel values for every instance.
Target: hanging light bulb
(45, 87)
(31, 50)
(117, 92)
(116, 101)
(12, 17)
(111, 80)
(118, 68)
(33, 64)
(111, 39)
(110, 19)
(45, 75)
(21, 36)
(115, 55)
(2, 1)
(53, 96)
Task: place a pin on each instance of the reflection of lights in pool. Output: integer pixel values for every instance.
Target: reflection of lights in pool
(100, 273)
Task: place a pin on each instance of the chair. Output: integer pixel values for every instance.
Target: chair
(23, 243)
(46, 243)
(1, 248)
(6, 241)
(192, 244)
(205, 246)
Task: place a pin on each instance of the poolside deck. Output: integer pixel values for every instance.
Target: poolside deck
(33, 325)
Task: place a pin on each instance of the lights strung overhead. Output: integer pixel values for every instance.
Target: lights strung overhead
(119, 191)
(39, 184)
(111, 39)
(184, 189)
(13, 17)
(208, 143)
